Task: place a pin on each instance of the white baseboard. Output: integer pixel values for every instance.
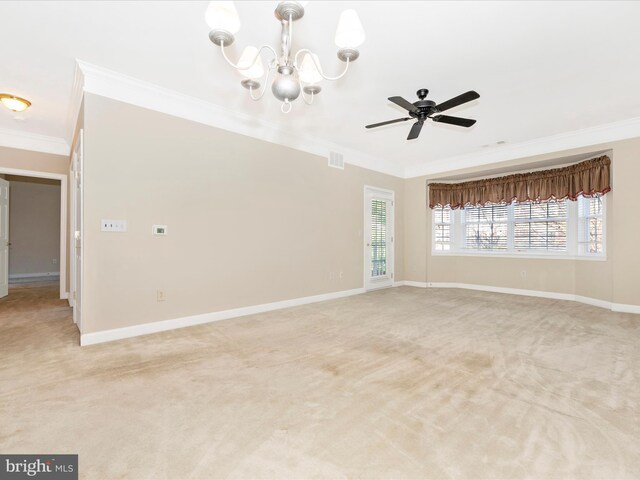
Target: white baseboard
(411, 283)
(594, 301)
(161, 326)
(625, 308)
(615, 307)
(13, 276)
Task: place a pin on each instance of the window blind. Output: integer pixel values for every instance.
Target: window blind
(378, 238)
(485, 228)
(540, 226)
(591, 225)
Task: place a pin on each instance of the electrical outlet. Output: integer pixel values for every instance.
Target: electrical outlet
(54, 261)
(161, 295)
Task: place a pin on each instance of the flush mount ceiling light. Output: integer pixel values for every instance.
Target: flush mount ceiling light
(294, 74)
(14, 103)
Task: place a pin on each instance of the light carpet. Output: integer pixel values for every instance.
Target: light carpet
(400, 383)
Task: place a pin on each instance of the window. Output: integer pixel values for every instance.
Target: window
(591, 225)
(540, 226)
(485, 228)
(378, 237)
(554, 228)
(442, 229)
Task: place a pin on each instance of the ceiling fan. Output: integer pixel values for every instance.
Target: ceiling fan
(423, 109)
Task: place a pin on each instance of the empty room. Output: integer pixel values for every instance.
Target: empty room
(319, 240)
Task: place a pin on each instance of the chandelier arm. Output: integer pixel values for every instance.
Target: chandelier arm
(255, 59)
(308, 102)
(263, 89)
(319, 67)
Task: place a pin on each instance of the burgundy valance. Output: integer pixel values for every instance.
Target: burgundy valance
(585, 178)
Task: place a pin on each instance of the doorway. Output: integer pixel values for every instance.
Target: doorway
(378, 238)
(4, 237)
(60, 256)
(34, 229)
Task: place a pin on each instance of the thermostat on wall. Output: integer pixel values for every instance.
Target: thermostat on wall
(159, 229)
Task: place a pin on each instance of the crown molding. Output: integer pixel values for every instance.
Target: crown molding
(108, 83)
(32, 141)
(114, 85)
(601, 134)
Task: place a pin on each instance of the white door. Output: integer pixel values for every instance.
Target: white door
(378, 237)
(4, 238)
(77, 234)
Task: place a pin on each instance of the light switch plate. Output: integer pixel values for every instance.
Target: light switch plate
(113, 225)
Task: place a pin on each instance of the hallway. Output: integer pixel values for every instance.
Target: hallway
(38, 306)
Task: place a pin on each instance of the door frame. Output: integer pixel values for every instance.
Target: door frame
(388, 195)
(63, 217)
(76, 233)
(71, 227)
(4, 236)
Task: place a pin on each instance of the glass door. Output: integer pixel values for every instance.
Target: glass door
(379, 239)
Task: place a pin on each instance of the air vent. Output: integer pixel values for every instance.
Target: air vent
(336, 160)
(496, 144)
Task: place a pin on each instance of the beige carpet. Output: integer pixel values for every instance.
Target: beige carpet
(400, 383)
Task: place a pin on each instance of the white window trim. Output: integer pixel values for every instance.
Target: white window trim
(572, 252)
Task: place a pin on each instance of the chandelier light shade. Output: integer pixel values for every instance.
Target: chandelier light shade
(247, 66)
(14, 103)
(308, 71)
(350, 33)
(223, 16)
(294, 75)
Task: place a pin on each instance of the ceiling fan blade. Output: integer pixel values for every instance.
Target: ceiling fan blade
(374, 125)
(415, 131)
(459, 100)
(406, 104)
(461, 122)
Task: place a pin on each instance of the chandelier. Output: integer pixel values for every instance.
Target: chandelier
(293, 74)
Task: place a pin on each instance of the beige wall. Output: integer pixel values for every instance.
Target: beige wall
(626, 224)
(249, 222)
(416, 228)
(615, 280)
(34, 221)
(36, 161)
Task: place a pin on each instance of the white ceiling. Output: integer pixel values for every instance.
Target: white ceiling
(541, 68)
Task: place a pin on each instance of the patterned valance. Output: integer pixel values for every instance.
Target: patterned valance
(585, 178)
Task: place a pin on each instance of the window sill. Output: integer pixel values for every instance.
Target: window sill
(594, 258)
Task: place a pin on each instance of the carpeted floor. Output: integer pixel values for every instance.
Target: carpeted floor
(400, 383)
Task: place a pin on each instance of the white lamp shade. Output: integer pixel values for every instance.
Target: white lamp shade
(253, 70)
(223, 16)
(350, 33)
(308, 72)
